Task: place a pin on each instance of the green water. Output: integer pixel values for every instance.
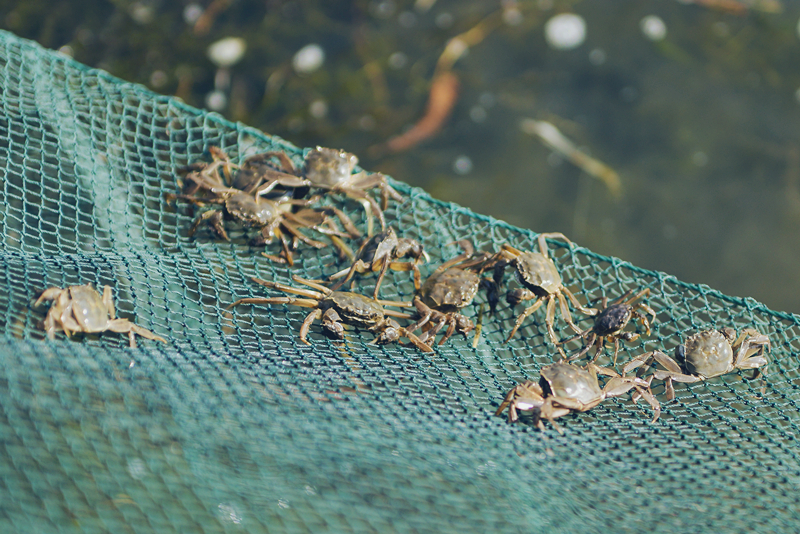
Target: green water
(701, 126)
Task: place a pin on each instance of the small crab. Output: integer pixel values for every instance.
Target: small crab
(565, 388)
(332, 170)
(705, 355)
(82, 309)
(540, 280)
(256, 175)
(253, 176)
(610, 323)
(379, 253)
(267, 215)
(451, 287)
(271, 217)
(337, 308)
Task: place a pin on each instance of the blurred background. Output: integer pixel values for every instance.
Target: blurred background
(662, 132)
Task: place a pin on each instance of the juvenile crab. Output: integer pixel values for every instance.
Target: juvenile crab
(337, 308)
(451, 287)
(254, 176)
(379, 253)
(610, 323)
(82, 309)
(540, 280)
(271, 217)
(332, 170)
(565, 388)
(705, 355)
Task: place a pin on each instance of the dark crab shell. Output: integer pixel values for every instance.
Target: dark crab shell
(381, 245)
(612, 319)
(450, 290)
(354, 309)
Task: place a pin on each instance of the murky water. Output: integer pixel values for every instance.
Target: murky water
(699, 119)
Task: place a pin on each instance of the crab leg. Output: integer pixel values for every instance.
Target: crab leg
(305, 303)
(398, 314)
(287, 251)
(552, 235)
(51, 293)
(384, 266)
(68, 324)
(525, 315)
(421, 345)
(297, 233)
(282, 179)
(294, 290)
(550, 320)
(359, 266)
(468, 250)
(108, 303)
(284, 160)
(370, 206)
(124, 326)
(652, 401)
(344, 250)
(395, 303)
(577, 304)
(746, 339)
(310, 318)
(565, 311)
(551, 410)
(312, 284)
(214, 217)
(349, 227)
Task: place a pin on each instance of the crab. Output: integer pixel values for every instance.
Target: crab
(610, 322)
(82, 309)
(272, 217)
(257, 176)
(253, 176)
(379, 253)
(336, 308)
(451, 287)
(332, 170)
(565, 388)
(705, 355)
(540, 280)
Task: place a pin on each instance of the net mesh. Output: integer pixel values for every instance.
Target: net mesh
(234, 425)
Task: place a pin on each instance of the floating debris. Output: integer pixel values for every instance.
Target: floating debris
(553, 138)
(442, 98)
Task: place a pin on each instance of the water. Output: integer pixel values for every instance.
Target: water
(701, 126)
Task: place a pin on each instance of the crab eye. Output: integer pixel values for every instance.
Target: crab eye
(680, 353)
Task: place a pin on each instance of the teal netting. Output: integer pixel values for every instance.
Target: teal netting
(238, 427)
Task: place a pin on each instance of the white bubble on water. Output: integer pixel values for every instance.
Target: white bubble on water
(462, 165)
(653, 28)
(308, 59)
(565, 31)
(227, 52)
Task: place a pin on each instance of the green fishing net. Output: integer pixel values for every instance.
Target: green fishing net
(236, 426)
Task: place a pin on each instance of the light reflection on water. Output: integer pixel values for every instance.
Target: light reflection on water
(699, 123)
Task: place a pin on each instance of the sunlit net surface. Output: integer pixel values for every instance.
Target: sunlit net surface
(234, 425)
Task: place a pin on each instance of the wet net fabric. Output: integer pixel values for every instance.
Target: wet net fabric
(236, 426)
